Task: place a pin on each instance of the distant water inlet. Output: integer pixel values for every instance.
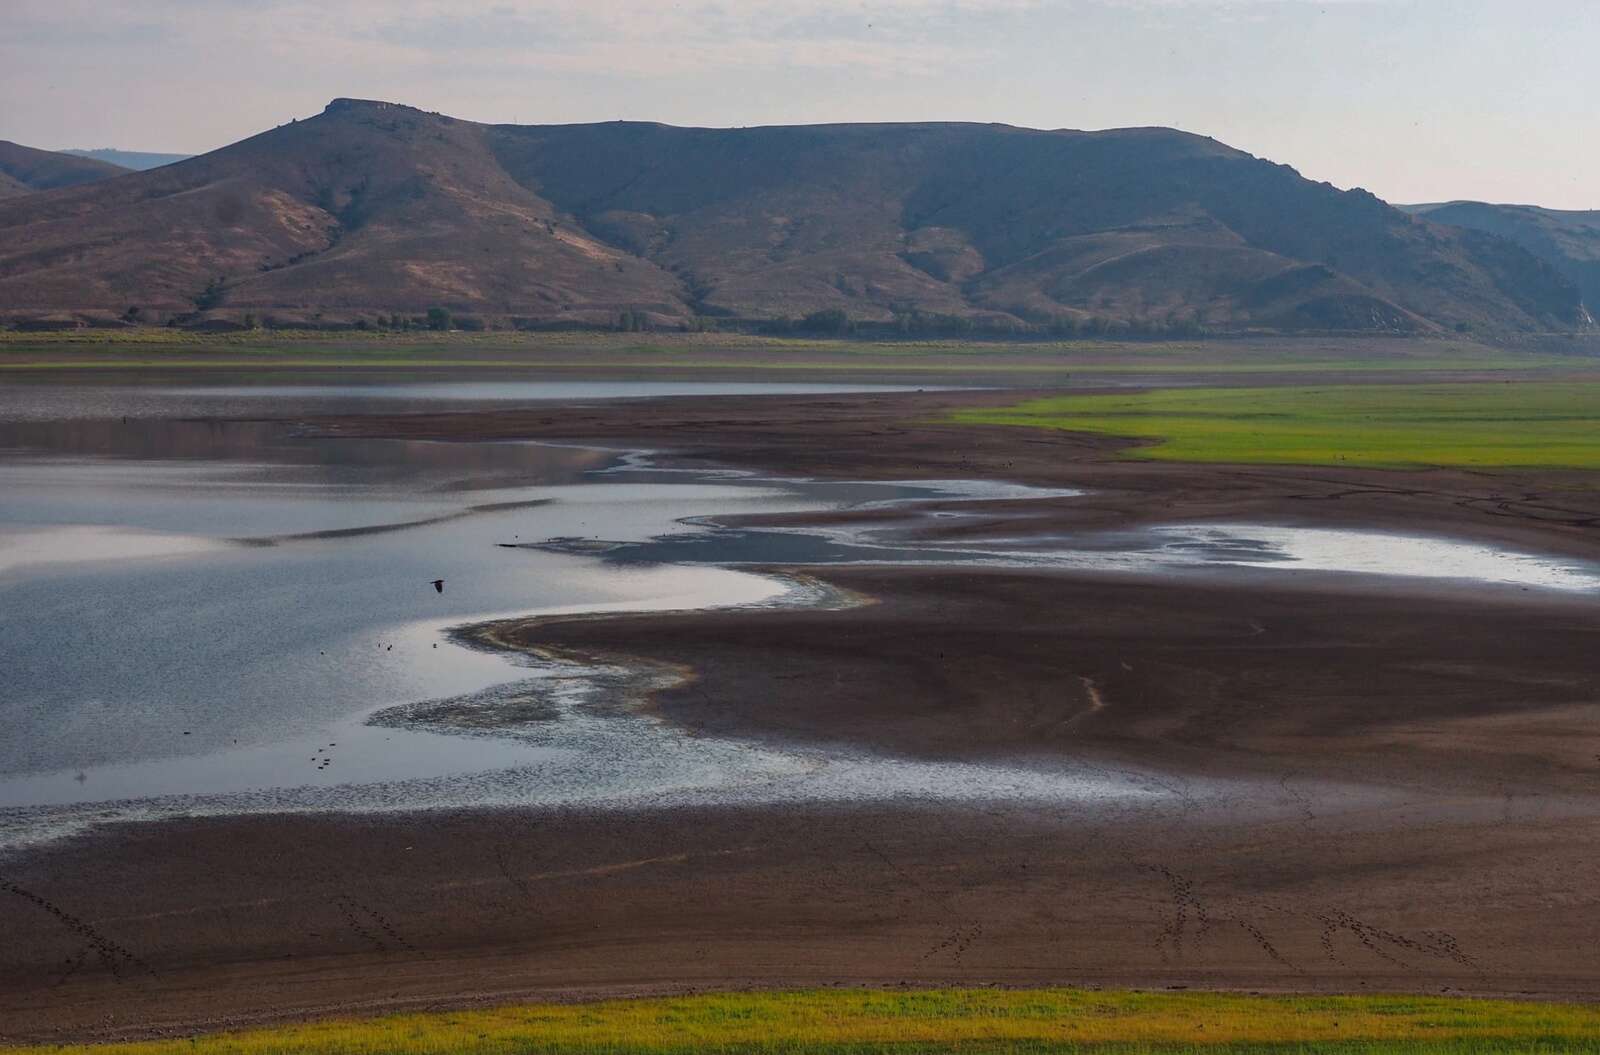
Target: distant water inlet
(1208, 549)
(1310, 549)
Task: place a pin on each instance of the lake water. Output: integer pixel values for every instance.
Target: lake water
(202, 615)
(47, 401)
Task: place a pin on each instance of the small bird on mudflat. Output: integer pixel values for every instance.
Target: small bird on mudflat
(438, 585)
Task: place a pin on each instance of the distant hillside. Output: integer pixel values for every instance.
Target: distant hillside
(371, 209)
(1568, 241)
(137, 160)
(24, 170)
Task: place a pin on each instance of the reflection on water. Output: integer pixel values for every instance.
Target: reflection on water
(47, 402)
(202, 615)
(236, 645)
(213, 617)
(85, 543)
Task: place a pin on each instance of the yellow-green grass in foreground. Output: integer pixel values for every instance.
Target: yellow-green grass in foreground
(1488, 425)
(963, 1020)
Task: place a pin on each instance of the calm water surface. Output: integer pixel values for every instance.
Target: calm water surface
(205, 615)
(47, 401)
(202, 615)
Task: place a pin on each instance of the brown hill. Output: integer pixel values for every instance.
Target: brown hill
(372, 208)
(24, 170)
(1568, 241)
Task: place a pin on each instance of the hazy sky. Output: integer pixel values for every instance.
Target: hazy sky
(1416, 100)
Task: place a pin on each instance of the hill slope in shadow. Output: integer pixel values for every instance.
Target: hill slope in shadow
(24, 170)
(1568, 240)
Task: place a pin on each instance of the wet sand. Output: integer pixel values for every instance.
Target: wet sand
(1356, 783)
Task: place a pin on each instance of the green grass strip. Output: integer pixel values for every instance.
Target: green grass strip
(1484, 425)
(956, 1020)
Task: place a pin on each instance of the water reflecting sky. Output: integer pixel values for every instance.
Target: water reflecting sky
(203, 613)
(214, 606)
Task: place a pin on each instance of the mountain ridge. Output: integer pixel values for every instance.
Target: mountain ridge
(27, 170)
(1567, 239)
(371, 209)
(136, 160)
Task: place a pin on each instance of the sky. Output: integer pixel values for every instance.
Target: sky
(1415, 100)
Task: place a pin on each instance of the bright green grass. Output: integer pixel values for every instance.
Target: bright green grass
(967, 1021)
(1532, 424)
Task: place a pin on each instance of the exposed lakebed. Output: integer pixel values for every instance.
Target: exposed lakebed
(204, 613)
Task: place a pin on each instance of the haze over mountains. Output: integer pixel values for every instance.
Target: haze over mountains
(1568, 240)
(138, 160)
(24, 170)
(372, 209)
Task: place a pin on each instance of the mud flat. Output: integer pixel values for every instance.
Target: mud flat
(907, 436)
(1323, 781)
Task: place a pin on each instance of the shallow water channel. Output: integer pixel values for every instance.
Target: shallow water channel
(202, 613)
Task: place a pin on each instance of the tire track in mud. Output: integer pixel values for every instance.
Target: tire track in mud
(1175, 929)
(370, 925)
(955, 943)
(1382, 942)
(116, 957)
(1191, 919)
(959, 938)
(74, 963)
(1531, 506)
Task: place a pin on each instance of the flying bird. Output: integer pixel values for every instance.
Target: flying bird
(438, 585)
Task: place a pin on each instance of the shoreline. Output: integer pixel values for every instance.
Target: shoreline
(77, 820)
(1460, 860)
(904, 436)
